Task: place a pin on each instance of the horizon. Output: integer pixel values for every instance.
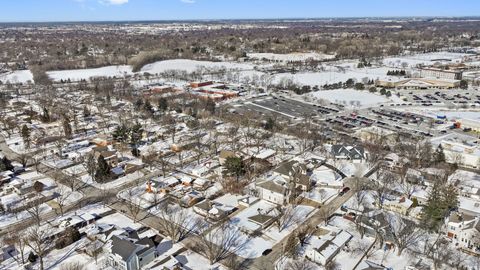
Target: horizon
(244, 19)
(57, 11)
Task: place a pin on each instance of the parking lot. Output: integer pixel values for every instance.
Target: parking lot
(283, 107)
(447, 98)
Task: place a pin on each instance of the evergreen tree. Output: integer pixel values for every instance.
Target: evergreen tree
(442, 199)
(5, 164)
(148, 107)
(162, 104)
(439, 155)
(235, 167)
(103, 169)
(26, 135)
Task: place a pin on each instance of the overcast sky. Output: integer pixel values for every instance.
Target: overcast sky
(108, 10)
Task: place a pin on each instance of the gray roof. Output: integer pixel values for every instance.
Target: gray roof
(287, 167)
(272, 186)
(123, 247)
(353, 152)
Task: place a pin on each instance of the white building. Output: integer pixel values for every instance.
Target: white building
(323, 249)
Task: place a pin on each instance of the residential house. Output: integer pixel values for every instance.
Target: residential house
(353, 153)
(273, 191)
(323, 249)
(296, 172)
(130, 253)
(212, 210)
(400, 206)
(464, 231)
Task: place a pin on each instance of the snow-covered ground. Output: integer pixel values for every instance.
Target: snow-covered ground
(290, 56)
(114, 183)
(335, 74)
(17, 76)
(272, 235)
(154, 68)
(424, 59)
(85, 74)
(191, 66)
(351, 97)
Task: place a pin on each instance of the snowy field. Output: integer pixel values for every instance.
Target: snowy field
(85, 74)
(290, 56)
(18, 76)
(424, 59)
(191, 66)
(336, 75)
(351, 97)
(154, 68)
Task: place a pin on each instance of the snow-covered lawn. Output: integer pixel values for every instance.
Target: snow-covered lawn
(424, 59)
(17, 76)
(290, 56)
(9, 219)
(114, 183)
(85, 74)
(336, 75)
(324, 176)
(321, 195)
(351, 97)
(191, 66)
(272, 235)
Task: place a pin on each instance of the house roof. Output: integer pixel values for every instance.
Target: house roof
(273, 187)
(122, 247)
(287, 167)
(261, 219)
(351, 152)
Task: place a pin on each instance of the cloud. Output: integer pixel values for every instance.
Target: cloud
(113, 2)
(188, 1)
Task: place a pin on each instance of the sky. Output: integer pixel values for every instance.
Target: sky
(120, 10)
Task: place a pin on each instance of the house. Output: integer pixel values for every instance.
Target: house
(273, 191)
(400, 206)
(294, 171)
(463, 230)
(353, 153)
(107, 153)
(369, 265)
(201, 183)
(191, 198)
(263, 220)
(161, 185)
(130, 253)
(213, 210)
(323, 249)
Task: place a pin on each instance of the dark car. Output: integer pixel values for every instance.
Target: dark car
(266, 252)
(344, 190)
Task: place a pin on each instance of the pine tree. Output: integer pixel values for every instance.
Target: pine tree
(103, 169)
(26, 135)
(162, 104)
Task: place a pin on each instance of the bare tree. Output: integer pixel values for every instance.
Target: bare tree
(91, 165)
(221, 242)
(37, 240)
(63, 195)
(405, 234)
(33, 207)
(19, 242)
(133, 205)
(175, 222)
(285, 217)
